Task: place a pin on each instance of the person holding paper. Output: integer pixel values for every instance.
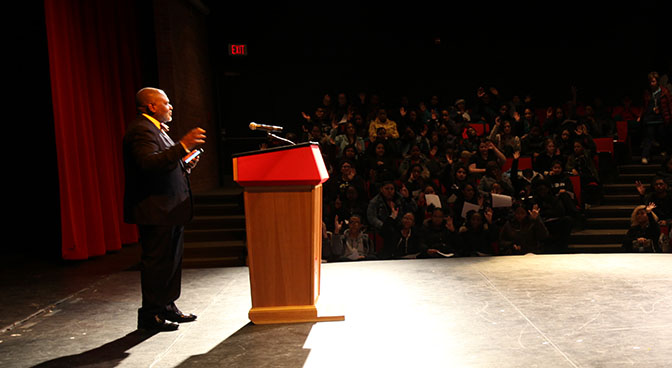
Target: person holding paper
(469, 199)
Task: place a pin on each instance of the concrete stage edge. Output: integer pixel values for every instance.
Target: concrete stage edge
(585, 310)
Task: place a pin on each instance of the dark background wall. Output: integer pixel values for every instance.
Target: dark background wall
(298, 53)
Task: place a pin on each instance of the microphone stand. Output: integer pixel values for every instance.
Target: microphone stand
(269, 134)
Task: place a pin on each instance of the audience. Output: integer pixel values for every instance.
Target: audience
(388, 160)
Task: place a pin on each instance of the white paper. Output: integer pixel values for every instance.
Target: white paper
(469, 207)
(433, 199)
(354, 255)
(500, 200)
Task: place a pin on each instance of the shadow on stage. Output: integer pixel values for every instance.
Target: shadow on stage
(257, 346)
(108, 355)
(251, 346)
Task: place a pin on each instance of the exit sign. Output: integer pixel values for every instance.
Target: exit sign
(237, 49)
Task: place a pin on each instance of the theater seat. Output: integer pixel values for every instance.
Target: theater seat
(523, 163)
(604, 145)
(576, 183)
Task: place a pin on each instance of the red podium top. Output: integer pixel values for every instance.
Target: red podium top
(301, 164)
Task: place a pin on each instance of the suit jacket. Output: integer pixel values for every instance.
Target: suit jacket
(157, 184)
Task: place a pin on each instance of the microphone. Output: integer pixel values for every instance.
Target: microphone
(265, 128)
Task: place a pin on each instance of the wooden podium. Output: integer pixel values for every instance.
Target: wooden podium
(283, 219)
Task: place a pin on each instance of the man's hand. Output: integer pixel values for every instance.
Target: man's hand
(192, 164)
(194, 138)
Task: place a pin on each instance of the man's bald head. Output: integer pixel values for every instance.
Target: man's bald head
(146, 96)
(154, 102)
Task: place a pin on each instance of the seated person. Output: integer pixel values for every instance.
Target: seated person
(415, 181)
(381, 206)
(381, 121)
(581, 163)
(493, 174)
(562, 187)
(644, 231)
(543, 162)
(503, 137)
(380, 165)
(471, 195)
(414, 157)
(470, 144)
(455, 180)
(346, 177)
(533, 143)
(665, 171)
(486, 152)
(352, 244)
(349, 137)
(476, 235)
(660, 196)
(554, 216)
(401, 237)
(524, 232)
(424, 207)
(522, 179)
(345, 205)
(438, 234)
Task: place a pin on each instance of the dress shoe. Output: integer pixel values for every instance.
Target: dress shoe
(156, 323)
(178, 316)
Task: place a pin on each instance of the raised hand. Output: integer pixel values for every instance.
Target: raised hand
(650, 207)
(394, 210)
(534, 212)
(488, 215)
(450, 225)
(337, 225)
(193, 138)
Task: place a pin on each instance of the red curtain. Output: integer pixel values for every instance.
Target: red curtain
(93, 61)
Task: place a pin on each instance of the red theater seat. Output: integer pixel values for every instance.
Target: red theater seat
(604, 145)
(576, 183)
(523, 163)
(622, 131)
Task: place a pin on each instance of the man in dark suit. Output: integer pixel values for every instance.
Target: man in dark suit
(158, 200)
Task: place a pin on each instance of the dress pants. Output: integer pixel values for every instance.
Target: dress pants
(161, 267)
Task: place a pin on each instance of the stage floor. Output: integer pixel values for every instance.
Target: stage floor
(592, 310)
